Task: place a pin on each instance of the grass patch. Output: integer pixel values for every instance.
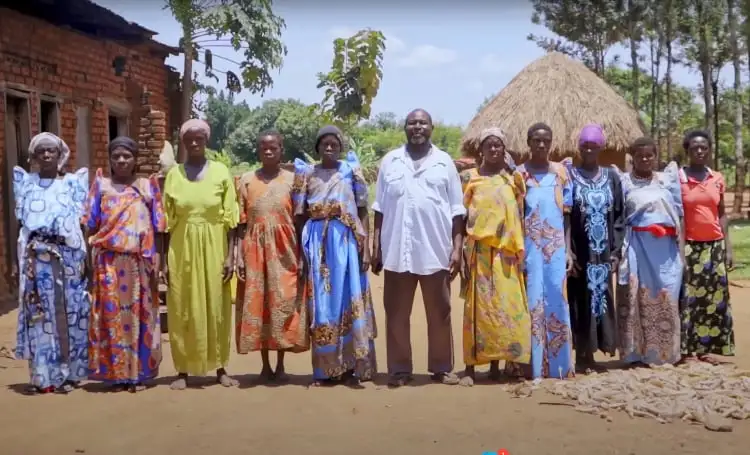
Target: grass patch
(739, 234)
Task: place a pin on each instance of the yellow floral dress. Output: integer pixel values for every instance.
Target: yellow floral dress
(497, 325)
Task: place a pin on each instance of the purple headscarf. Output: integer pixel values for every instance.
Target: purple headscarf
(592, 133)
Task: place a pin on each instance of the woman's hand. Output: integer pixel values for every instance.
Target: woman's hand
(570, 265)
(241, 272)
(303, 266)
(228, 271)
(456, 263)
(729, 259)
(364, 259)
(464, 267)
(164, 274)
(376, 258)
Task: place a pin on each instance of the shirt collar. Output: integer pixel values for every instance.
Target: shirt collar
(433, 157)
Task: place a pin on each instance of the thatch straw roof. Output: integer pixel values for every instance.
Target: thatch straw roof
(566, 95)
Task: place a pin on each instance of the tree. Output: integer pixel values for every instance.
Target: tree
(700, 22)
(247, 25)
(223, 116)
(685, 113)
(667, 15)
(588, 28)
(295, 121)
(635, 14)
(739, 152)
(354, 79)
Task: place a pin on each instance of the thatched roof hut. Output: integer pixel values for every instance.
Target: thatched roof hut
(566, 95)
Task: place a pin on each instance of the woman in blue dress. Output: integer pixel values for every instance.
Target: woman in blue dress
(650, 274)
(330, 205)
(53, 299)
(546, 210)
(596, 232)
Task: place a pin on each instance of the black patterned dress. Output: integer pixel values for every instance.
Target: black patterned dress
(596, 234)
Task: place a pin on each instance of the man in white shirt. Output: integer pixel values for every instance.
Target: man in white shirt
(418, 238)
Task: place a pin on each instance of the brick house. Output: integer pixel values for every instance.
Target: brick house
(80, 71)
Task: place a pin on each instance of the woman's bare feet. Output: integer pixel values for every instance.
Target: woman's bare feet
(180, 383)
(118, 387)
(266, 375)
(137, 387)
(279, 374)
(494, 374)
(711, 360)
(224, 379)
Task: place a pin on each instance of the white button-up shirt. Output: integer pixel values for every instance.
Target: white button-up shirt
(418, 206)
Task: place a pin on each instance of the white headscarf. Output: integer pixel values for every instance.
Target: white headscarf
(52, 141)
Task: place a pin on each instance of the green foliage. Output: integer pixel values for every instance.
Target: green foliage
(587, 28)
(223, 157)
(297, 122)
(251, 27)
(354, 78)
(224, 116)
(686, 113)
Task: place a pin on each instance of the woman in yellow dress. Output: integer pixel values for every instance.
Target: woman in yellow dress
(202, 212)
(497, 325)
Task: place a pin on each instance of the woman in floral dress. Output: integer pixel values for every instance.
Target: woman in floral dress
(54, 305)
(271, 315)
(124, 219)
(650, 274)
(496, 324)
(549, 197)
(707, 324)
(330, 202)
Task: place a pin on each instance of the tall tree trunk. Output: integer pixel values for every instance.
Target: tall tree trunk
(705, 68)
(668, 76)
(654, 84)
(187, 85)
(715, 94)
(632, 31)
(739, 170)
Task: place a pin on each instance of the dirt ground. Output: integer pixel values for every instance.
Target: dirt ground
(424, 418)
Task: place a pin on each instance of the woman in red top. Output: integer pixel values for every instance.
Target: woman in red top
(706, 313)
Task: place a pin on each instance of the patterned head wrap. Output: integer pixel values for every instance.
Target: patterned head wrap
(492, 132)
(592, 133)
(195, 124)
(329, 130)
(50, 140)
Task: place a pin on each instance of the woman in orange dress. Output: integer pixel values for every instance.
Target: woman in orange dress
(123, 216)
(271, 314)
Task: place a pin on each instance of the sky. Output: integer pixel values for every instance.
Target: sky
(445, 57)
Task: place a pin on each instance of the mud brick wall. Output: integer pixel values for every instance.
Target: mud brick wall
(151, 137)
(42, 59)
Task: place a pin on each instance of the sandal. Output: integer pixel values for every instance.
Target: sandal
(34, 390)
(399, 380)
(446, 378)
(65, 389)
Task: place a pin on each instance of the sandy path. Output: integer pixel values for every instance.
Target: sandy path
(426, 418)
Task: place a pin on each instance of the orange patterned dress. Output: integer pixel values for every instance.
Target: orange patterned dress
(271, 313)
(124, 332)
